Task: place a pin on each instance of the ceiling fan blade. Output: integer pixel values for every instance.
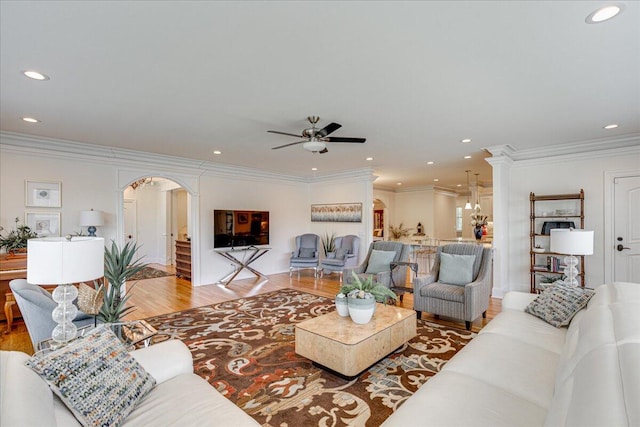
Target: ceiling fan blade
(324, 150)
(285, 133)
(288, 145)
(344, 139)
(330, 128)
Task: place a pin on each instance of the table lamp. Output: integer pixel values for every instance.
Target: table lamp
(570, 242)
(91, 219)
(64, 261)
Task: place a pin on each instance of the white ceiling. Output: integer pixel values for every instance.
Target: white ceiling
(414, 78)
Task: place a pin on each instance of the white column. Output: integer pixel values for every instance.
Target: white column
(501, 163)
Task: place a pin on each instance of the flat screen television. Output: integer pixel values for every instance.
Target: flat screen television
(235, 228)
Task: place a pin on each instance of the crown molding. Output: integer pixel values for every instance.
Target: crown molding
(356, 175)
(124, 158)
(595, 148)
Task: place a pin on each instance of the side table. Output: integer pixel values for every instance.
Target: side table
(250, 254)
(412, 265)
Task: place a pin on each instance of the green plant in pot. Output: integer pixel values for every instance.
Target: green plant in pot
(119, 266)
(328, 243)
(16, 240)
(362, 296)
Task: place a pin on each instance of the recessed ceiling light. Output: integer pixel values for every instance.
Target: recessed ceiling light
(399, 183)
(429, 163)
(459, 185)
(314, 169)
(604, 13)
(435, 180)
(217, 152)
(611, 126)
(35, 75)
(369, 159)
(465, 140)
(30, 120)
(467, 157)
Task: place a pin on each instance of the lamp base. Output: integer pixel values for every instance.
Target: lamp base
(571, 271)
(92, 231)
(64, 314)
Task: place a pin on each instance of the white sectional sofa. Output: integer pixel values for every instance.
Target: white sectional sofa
(521, 371)
(180, 397)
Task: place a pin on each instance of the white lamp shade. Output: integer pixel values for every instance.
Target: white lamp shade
(91, 218)
(571, 241)
(56, 260)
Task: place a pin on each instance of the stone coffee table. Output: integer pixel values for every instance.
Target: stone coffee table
(342, 346)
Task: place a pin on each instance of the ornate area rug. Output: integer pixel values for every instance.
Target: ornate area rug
(245, 349)
(149, 273)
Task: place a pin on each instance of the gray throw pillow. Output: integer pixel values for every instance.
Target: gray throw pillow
(95, 377)
(307, 253)
(341, 253)
(557, 304)
(379, 261)
(456, 269)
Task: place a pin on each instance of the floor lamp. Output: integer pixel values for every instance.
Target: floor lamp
(64, 261)
(570, 242)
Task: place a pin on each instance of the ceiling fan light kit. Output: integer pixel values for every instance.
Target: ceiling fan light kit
(315, 140)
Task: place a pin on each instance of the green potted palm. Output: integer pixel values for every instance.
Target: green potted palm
(119, 266)
(15, 241)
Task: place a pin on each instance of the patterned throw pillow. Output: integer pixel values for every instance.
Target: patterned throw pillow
(559, 303)
(95, 377)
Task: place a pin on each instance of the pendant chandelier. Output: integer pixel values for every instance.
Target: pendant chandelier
(468, 205)
(477, 207)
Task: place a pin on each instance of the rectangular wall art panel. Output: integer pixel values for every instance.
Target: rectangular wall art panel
(337, 212)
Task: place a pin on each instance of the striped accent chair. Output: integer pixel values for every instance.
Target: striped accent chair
(459, 301)
(383, 277)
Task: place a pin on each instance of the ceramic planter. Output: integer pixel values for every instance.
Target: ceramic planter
(342, 306)
(361, 309)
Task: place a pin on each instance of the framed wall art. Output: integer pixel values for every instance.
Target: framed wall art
(337, 212)
(43, 194)
(45, 224)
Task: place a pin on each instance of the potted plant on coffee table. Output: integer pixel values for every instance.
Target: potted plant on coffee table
(362, 296)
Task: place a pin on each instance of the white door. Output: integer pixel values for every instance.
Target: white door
(130, 215)
(626, 245)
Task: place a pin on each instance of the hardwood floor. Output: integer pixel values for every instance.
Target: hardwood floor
(167, 294)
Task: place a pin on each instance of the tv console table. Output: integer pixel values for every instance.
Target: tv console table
(250, 254)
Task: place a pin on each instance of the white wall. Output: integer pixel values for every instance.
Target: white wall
(444, 214)
(85, 185)
(351, 188)
(94, 177)
(561, 175)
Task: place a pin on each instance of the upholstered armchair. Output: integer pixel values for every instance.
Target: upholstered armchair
(305, 254)
(377, 264)
(345, 255)
(36, 306)
(459, 285)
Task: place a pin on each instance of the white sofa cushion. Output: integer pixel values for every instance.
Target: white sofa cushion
(598, 379)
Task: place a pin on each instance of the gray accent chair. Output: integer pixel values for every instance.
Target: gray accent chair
(306, 254)
(345, 255)
(384, 277)
(465, 302)
(36, 306)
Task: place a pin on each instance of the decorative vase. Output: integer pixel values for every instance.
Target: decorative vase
(342, 306)
(477, 231)
(361, 309)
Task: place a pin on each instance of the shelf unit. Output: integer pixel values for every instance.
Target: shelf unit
(551, 207)
(183, 259)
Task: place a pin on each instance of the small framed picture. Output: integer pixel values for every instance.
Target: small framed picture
(43, 223)
(43, 194)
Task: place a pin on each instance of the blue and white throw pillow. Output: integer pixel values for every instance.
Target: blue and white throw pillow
(557, 304)
(95, 377)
